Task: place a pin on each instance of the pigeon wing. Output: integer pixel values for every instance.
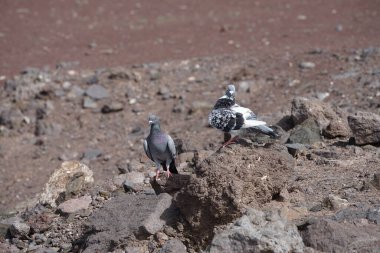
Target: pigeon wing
(171, 147)
(147, 151)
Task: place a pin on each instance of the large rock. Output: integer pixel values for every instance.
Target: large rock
(229, 181)
(365, 127)
(332, 122)
(330, 236)
(129, 216)
(257, 231)
(66, 182)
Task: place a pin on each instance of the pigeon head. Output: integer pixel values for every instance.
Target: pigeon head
(153, 119)
(230, 92)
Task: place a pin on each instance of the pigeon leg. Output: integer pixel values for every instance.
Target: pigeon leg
(168, 173)
(230, 141)
(158, 174)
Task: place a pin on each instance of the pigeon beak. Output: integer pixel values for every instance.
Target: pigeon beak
(150, 122)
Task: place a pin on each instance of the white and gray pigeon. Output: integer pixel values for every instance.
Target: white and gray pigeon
(160, 148)
(232, 118)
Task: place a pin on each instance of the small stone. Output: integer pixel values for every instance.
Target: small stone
(66, 85)
(295, 148)
(135, 177)
(339, 28)
(75, 205)
(154, 74)
(97, 91)
(336, 203)
(244, 86)
(161, 237)
(89, 103)
(113, 107)
(92, 154)
(376, 180)
(307, 132)
(19, 229)
(173, 246)
(307, 65)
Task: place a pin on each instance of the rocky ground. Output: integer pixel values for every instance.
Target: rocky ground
(80, 133)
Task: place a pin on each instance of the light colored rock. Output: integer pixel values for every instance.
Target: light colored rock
(336, 203)
(365, 127)
(257, 231)
(135, 177)
(173, 246)
(19, 229)
(69, 179)
(97, 91)
(74, 205)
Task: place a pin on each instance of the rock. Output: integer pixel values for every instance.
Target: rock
(129, 186)
(164, 92)
(65, 182)
(135, 177)
(229, 181)
(92, 154)
(46, 128)
(295, 148)
(330, 236)
(376, 180)
(244, 86)
(113, 107)
(331, 122)
(186, 157)
(89, 103)
(129, 215)
(19, 229)
(308, 132)
(307, 65)
(365, 127)
(11, 118)
(173, 246)
(75, 205)
(257, 231)
(336, 203)
(97, 91)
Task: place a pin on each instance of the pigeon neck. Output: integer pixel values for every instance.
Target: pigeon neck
(155, 127)
(224, 102)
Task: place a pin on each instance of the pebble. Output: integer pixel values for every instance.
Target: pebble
(92, 154)
(339, 28)
(74, 205)
(97, 91)
(113, 107)
(89, 103)
(307, 65)
(244, 86)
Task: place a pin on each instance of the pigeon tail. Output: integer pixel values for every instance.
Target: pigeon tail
(172, 167)
(266, 130)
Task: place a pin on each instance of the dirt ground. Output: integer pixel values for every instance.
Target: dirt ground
(96, 34)
(259, 41)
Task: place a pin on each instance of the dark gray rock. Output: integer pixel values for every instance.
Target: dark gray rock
(257, 231)
(330, 236)
(44, 127)
(173, 246)
(97, 91)
(11, 118)
(129, 216)
(376, 180)
(308, 132)
(295, 148)
(365, 127)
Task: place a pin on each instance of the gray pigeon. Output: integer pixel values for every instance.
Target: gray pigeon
(160, 148)
(232, 118)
